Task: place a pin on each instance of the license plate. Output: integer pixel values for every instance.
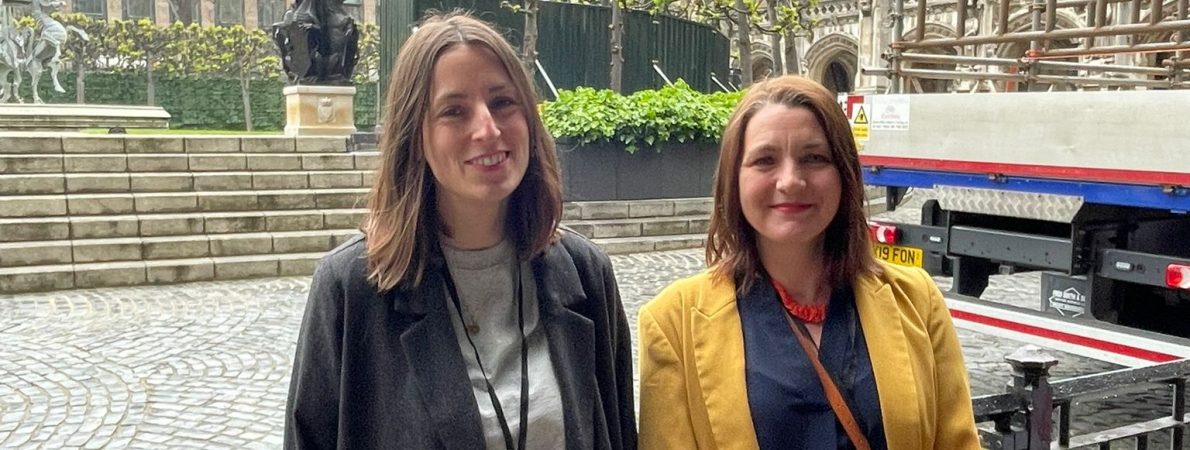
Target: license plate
(904, 256)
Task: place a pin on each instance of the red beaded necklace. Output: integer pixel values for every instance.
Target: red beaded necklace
(812, 314)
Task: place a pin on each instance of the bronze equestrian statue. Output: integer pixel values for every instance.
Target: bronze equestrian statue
(318, 41)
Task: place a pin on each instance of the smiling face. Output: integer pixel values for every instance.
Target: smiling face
(788, 183)
(476, 135)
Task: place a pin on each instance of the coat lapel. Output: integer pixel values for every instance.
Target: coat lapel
(571, 337)
(437, 365)
(718, 340)
(888, 348)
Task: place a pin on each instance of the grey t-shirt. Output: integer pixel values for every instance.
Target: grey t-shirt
(485, 282)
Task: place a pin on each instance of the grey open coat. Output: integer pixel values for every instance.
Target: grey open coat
(381, 371)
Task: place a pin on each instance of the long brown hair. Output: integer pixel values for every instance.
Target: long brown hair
(402, 226)
(731, 240)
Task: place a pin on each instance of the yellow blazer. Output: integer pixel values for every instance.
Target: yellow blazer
(693, 393)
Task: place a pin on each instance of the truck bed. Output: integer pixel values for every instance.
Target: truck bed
(1132, 137)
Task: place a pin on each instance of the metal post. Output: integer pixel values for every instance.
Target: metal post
(1034, 44)
(1181, 36)
(1051, 17)
(657, 69)
(546, 76)
(715, 79)
(898, 40)
(921, 20)
(1155, 11)
(1176, 434)
(1064, 424)
(1147, 48)
(1030, 381)
(961, 25)
(1005, 8)
(1066, 33)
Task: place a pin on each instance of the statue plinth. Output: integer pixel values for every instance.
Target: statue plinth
(74, 117)
(319, 110)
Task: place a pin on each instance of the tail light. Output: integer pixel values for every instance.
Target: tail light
(1177, 276)
(884, 234)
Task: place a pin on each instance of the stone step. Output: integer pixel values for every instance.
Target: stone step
(91, 275)
(15, 164)
(622, 245)
(649, 226)
(84, 251)
(94, 183)
(630, 209)
(58, 143)
(160, 225)
(179, 202)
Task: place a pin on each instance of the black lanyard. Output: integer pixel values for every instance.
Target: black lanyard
(522, 432)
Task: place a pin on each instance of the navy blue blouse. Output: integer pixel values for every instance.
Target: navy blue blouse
(789, 407)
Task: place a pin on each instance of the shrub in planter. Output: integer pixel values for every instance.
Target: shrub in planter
(675, 113)
(600, 132)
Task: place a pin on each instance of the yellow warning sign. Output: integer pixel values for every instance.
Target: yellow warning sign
(861, 118)
(859, 127)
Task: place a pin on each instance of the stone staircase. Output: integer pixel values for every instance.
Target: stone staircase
(641, 225)
(80, 211)
(83, 211)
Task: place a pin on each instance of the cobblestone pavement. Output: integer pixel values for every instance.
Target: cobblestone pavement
(206, 365)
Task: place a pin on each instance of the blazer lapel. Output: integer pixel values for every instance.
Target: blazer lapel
(571, 337)
(437, 365)
(719, 361)
(888, 348)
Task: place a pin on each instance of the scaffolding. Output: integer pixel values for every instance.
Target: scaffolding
(1085, 65)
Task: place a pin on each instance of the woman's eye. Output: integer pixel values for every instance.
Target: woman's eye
(816, 158)
(503, 102)
(763, 161)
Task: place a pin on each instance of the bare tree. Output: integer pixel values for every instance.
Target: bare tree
(775, 40)
(617, 46)
(529, 45)
(743, 40)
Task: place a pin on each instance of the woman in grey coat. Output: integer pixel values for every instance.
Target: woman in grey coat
(463, 317)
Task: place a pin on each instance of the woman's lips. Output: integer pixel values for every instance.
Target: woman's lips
(791, 208)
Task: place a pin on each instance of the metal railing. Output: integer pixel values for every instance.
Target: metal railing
(969, 50)
(1022, 418)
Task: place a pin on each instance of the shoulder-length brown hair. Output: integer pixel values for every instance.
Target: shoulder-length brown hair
(402, 225)
(731, 240)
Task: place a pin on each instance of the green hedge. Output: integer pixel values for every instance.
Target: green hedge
(673, 113)
(203, 103)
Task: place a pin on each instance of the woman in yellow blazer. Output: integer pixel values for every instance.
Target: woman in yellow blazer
(726, 354)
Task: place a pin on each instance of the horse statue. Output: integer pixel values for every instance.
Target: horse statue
(318, 41)
(46, 50)
(12, 42)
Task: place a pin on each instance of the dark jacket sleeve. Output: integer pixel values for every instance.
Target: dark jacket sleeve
(622, 345)
(312, 411)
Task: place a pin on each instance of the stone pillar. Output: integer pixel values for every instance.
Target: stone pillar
(161, 12)
(874, 40)
(206, 12)
(319, 110)
(369, 12)
(115, 9)
(251, 15)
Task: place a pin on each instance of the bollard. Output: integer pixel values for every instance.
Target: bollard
(1030, 381)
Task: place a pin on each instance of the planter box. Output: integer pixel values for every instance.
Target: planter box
(606, 171)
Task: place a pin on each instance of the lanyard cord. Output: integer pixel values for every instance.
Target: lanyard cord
(522, 433)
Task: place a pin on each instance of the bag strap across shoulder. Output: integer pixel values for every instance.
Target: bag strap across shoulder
(838, 404)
